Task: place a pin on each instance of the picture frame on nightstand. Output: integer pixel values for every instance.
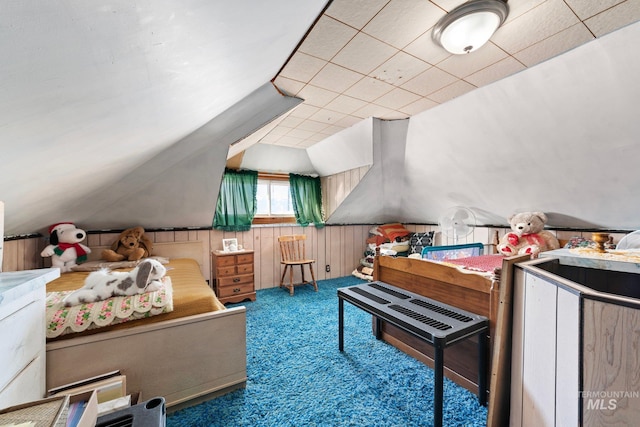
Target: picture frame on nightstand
(229, 245)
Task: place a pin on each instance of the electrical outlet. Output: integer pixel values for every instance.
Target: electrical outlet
(327, 268)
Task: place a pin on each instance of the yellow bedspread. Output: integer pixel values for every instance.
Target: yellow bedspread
(191, 294)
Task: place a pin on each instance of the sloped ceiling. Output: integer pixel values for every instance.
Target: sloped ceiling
(118, 113)
(91, 91)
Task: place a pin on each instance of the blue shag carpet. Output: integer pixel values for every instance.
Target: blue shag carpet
(297, 376)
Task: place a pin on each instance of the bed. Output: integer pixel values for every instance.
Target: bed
(469, 288)
(193, 352)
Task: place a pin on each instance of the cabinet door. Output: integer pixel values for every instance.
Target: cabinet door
(545, 353)
(539, 352)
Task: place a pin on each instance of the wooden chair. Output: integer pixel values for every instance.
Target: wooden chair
(292, 251)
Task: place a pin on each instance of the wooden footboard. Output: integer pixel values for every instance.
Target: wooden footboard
(469, 292)
(181, 360)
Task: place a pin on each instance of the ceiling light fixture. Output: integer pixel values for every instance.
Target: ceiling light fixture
(469, 26)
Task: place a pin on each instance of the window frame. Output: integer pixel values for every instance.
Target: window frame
(284, 219)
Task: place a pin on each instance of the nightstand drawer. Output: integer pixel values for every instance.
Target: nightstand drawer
(244, 268)
(225, 261)
(235, 280)
(226, 271)
(244, 259)
(229, 291)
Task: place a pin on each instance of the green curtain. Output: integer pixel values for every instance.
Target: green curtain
(306, 197)
(236, 201)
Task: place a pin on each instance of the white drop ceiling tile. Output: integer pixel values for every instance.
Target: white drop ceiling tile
(299, 133)
(373, 110)
(279, 131)
(368, 89)
(326, 38)
(463, 65)
(290, 122)
(316, 96)
(355, 13)
(345, 104)
(330, 130)
(317, 137)
(614, 18)
(288, 141)
(430, 81)
(587, 8)
(419, 106)
(558, 43)
(494, 72)
(348, 121)
(426, 49)
(549, 18)
(335, 78)
(395, 115)
(288, 86)
(397, 98)
(519, 8)
(270, 139)
(447, 5)
(327, 116)
(304, 111)
(302, 67)
(454, 90)
(306, 143)
(364, 54)
(400, 68)
(311, 126)
(402, 21)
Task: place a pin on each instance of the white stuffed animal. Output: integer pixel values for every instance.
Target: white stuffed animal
(102, 284)
(65, 248)
(527, 236)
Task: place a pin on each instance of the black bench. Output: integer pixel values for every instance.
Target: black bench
(434, 322)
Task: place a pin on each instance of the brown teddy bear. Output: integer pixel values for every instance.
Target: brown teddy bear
(132, 245)
(527, 236)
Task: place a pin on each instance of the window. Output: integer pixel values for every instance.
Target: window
(273, 199)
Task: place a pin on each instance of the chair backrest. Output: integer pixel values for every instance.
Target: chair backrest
(441, 253)
(292, 247)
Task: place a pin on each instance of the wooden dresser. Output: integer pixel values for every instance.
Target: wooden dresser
(232, 274)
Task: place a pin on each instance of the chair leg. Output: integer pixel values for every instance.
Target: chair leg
(313, 278)
(302, 272)
(284, 272)
(291, 281)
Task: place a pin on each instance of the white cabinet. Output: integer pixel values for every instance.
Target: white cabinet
(545, 353)
(22, 334)
(576, 346)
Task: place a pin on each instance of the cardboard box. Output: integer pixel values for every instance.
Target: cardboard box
(83, 409)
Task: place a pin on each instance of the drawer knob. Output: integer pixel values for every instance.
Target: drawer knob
(236, 290)
(236, 279)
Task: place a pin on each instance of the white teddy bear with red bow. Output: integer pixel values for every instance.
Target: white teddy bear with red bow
(527, 236)
(65, 248)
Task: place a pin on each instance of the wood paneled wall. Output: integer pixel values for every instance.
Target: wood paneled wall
(339, 247)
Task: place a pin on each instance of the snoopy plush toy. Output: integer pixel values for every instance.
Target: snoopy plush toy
(65, 248)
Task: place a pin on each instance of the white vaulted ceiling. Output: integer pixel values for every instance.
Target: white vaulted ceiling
(117, 113)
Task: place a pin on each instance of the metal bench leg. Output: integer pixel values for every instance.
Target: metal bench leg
(438, 386)
(340, 324)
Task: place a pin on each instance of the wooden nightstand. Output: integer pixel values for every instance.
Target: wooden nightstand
(232, 274)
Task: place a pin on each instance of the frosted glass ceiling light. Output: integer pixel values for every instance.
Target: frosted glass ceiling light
(470, 25)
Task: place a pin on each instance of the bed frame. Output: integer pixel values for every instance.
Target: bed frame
(186, 360)
(471, 292)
